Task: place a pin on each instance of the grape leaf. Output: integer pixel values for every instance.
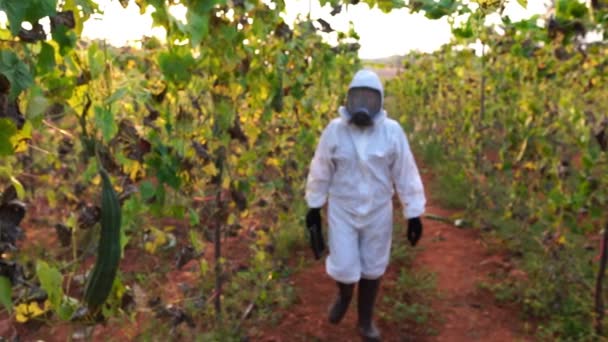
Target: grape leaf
(96, 60)
(17, 73)
(65, 37)
(105, 121)
(46, 59)
(7, 130)
(30, 11)
(147, 190)
(51, 282)
(36, 106)
(198, 27)
(6, 293)
(176, 66)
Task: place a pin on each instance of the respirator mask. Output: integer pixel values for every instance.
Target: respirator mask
(363, 104)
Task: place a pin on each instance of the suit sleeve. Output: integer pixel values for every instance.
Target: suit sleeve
(320, 173)
(407, 178)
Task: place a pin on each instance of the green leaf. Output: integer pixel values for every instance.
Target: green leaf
(65, 37)
(117, 95)
(198, 27)
(46, 59)
(17, 73)
(51, 282)
(30, 11)
(167, 170)
(147, 190)
(160, 16)
(68, 306)
(104, 119)
(7, 130)
(388, 5)
(36, 106)
(464, 32)
(96, 61)
(177, 66)
(224, 115)
(15, 12)
(87, 7)
(18, 187)
(124, 240)
(39, 9)
(577, 10)
(194, 218)
(91, 170)
(523, 3)
(6, 293)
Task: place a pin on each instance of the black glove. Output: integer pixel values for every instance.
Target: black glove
(414, 230)
(313, 224)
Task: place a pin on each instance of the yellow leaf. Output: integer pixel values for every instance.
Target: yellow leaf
(272, 162)
(34, 309)
(252, 131)
(530, 166)
(70, 196)
(231, 219)
(157, 238)
(25, 311)
(226, 183)
(162, 239)
(210, 170)
(21, 308)
(51, 197)
(150, 247)
(18, 187)
(120, 291)
(233, 159)
(96, 180)
(21, 318)
(185, 175)
(133, 169)
(20, 139)
(562, 240)
(20, 146)
(204, 267)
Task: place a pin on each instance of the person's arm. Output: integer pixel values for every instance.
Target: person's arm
(407, 179)
(320, 173)
(317, 186)
(409, 186)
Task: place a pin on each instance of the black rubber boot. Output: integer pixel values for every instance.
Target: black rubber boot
(368, 290)
(340, 305)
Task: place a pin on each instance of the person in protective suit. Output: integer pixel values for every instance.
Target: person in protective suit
(361, 157)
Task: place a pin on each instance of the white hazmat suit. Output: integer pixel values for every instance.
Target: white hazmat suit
(356, 171)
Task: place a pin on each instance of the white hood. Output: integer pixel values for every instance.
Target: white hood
(369, 79)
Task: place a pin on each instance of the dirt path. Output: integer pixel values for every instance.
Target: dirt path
(461, 261)
(464, 312)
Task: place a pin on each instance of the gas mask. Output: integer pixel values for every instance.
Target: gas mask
(363, 104)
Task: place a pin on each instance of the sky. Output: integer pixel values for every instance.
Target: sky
(381, 35)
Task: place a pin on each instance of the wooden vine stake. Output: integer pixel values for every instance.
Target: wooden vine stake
(601, 273)
(599, 284)
(221, 219)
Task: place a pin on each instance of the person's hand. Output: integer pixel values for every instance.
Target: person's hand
(313, 217)
(414, 230)
(313, 224)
